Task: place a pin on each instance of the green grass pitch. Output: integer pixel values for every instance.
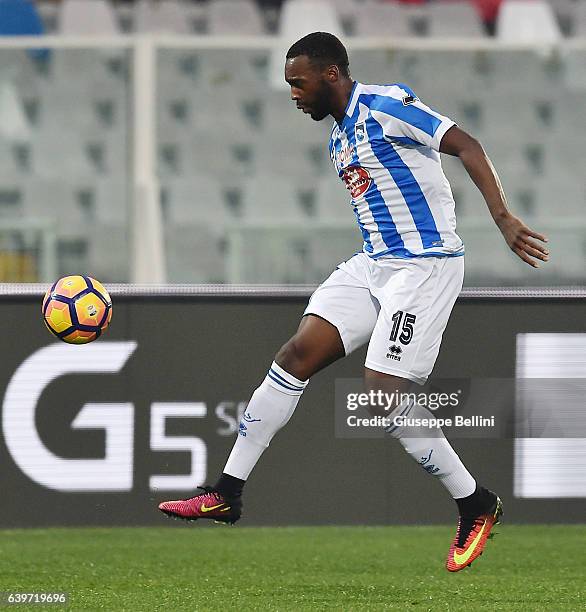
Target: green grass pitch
(316, 568)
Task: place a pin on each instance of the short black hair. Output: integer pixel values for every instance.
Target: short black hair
(322, 48)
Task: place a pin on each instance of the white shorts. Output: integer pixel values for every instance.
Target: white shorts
(401, 305)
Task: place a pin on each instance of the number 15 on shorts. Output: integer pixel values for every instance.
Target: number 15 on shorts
(403, 322)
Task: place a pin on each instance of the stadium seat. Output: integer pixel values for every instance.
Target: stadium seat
(297, 19)
(91, 110)
(301, 161)
(102, 67)
(57, 153)
(168, 16)
(347, 10)
(198, 199)
(505, 66)
(529, 21)
(20, 18)
(383, 20)
(202, 152)
(235, 17)
(96, 70)
(270, 199)
(232, 72)
(49, 13)
(87, 17)
(58, 200)
(454, 18)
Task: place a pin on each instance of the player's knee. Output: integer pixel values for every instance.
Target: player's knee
(293, 358)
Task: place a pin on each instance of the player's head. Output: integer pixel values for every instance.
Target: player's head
(315, 65)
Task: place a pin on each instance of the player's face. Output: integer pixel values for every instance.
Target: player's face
(309, 87)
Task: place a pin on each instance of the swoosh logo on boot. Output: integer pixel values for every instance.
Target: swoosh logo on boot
(460, 559)
(204, 509)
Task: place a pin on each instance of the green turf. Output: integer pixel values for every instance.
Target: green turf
(336, 568)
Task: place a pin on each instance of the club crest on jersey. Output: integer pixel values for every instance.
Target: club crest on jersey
(409, 99)
(360, 132)
(357, 180)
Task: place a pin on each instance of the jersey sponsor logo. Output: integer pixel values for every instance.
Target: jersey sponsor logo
(345, 154)
(360, 132)
(357, 180)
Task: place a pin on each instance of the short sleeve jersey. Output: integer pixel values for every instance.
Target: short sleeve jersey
(386, 150)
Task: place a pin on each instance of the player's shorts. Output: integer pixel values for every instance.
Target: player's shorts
(401, 305)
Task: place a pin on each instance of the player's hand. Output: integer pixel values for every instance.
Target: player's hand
(523, 241)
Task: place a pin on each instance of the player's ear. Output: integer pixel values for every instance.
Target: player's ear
(332, 73)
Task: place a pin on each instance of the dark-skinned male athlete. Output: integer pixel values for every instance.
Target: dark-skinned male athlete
(385, 145)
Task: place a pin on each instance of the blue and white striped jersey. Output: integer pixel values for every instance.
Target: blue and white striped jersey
(387, 153)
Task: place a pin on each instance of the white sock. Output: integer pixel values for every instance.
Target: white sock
(269, 409)
(432, 451)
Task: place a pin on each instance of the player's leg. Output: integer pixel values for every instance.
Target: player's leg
(340, 316)
(427, 446)
(416, 301)
(315, 345)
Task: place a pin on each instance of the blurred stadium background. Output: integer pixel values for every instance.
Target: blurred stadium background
(155, 141)
(154, 146)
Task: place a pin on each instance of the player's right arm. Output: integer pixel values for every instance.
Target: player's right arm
(522, 240)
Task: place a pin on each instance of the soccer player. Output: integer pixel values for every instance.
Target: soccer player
(385, 145)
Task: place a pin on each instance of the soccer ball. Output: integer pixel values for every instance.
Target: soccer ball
(77, 309)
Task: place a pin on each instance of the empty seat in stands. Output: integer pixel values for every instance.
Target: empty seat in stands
(269, 199)
(383, 20)
(291, 159)
(202, 153)
(196, 199)
(169, 16)
(234, 17)
(529, 21)
(87, 17)
(454, 18)
(57, 200)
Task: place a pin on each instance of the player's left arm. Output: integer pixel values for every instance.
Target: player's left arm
(522, 240)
